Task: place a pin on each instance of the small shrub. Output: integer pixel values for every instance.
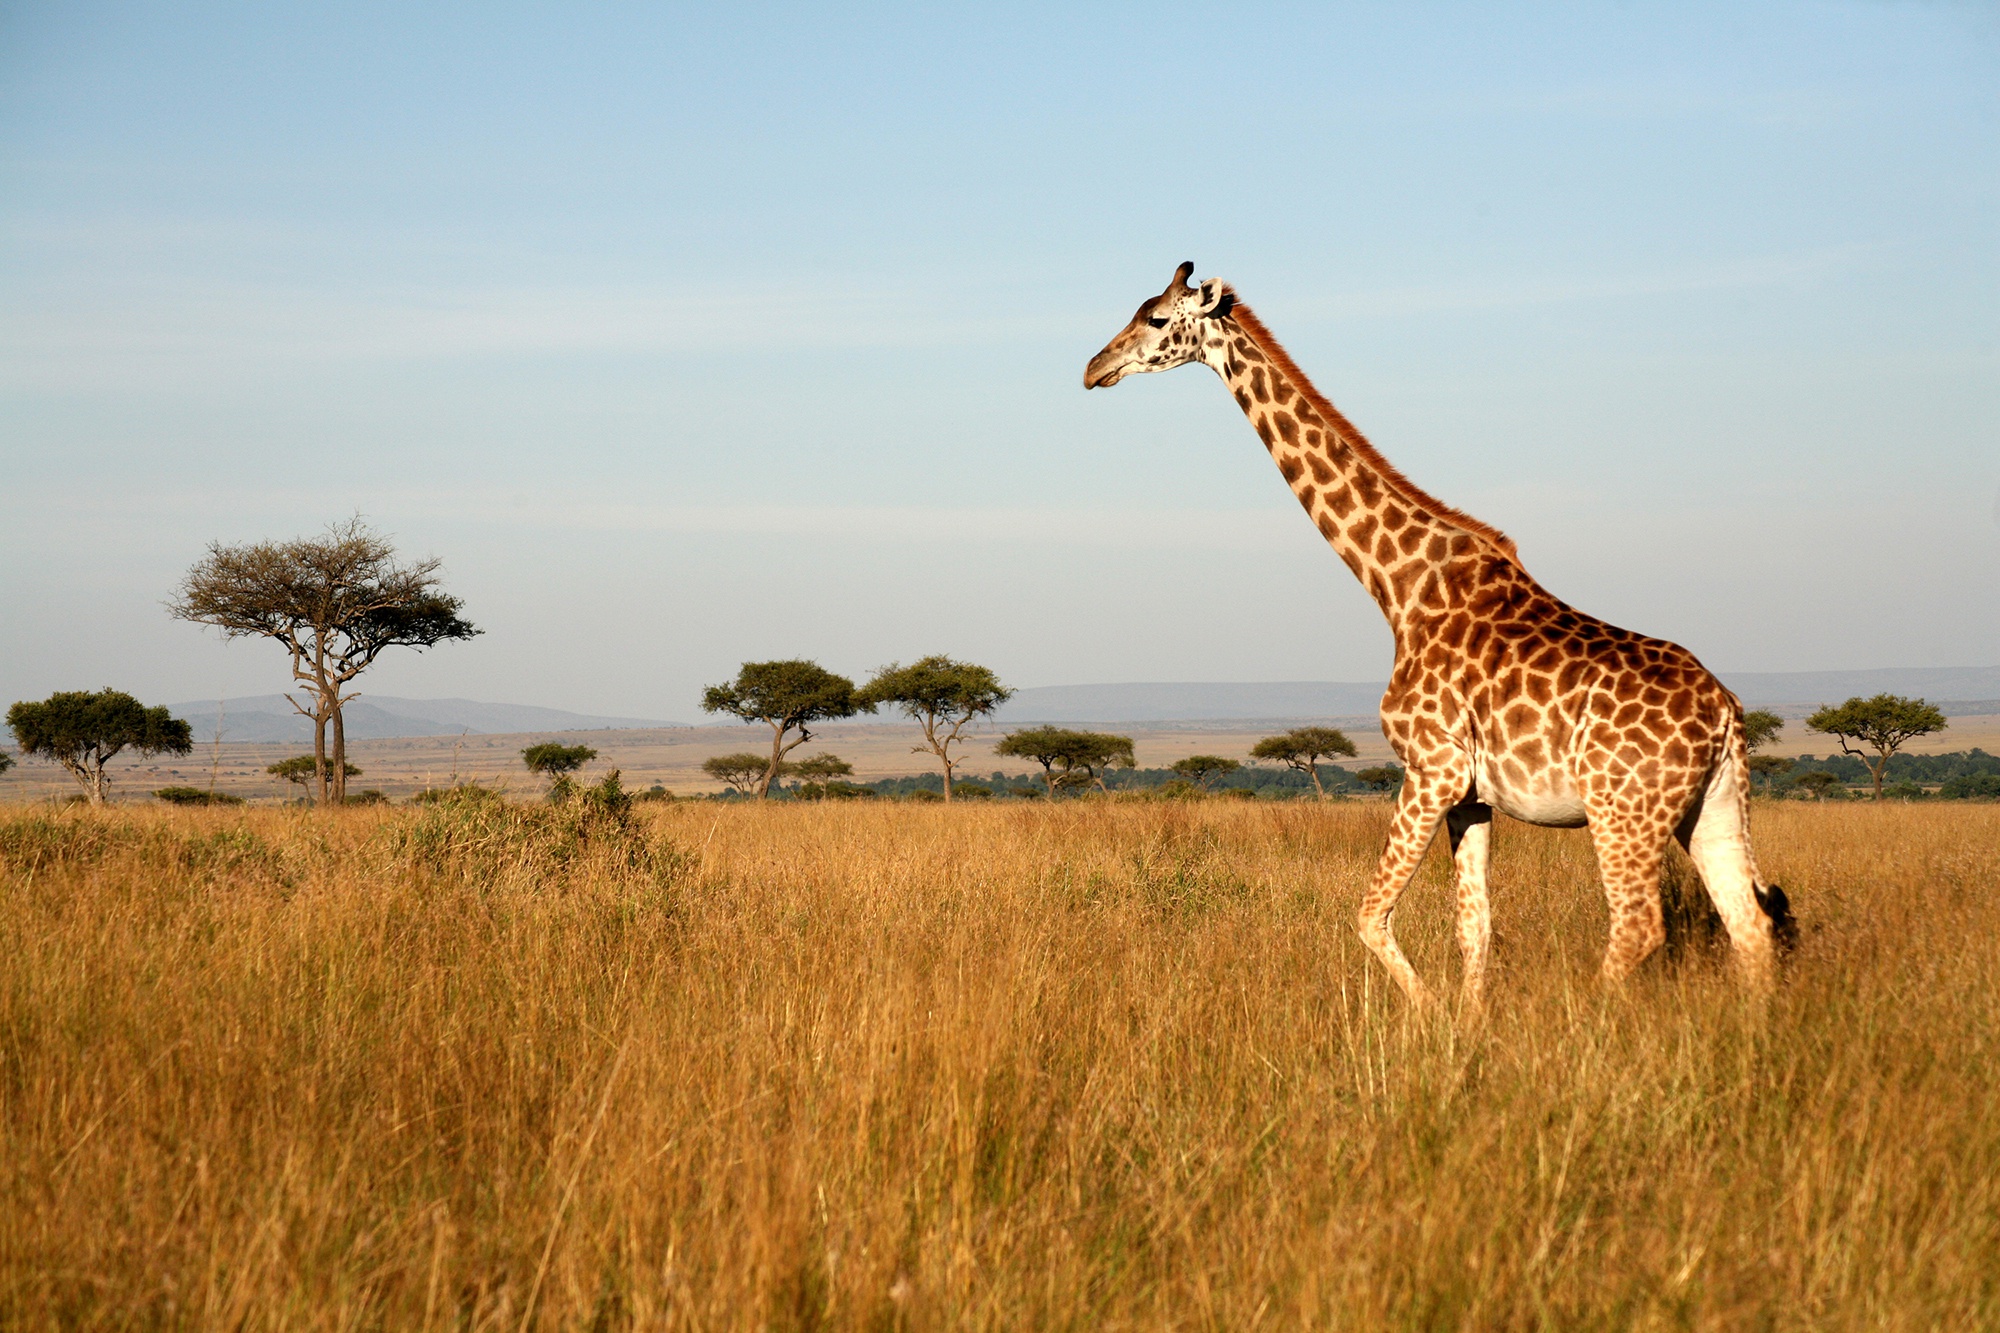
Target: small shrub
(370, 796)
(971, 791)
(195, 796)
(921, 794)
(465, 793)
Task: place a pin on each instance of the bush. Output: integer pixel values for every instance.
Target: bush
(923, 794)
(972, 791)
(1972, 787)
(465, 793)
(653, 793)
(196, 796)
(372, 796)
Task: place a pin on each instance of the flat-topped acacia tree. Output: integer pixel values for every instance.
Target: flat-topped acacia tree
(942, 696)
(1068, 758)
(82, 731)
(787, 696)
(1882, 724)
(336, 603)
(1303, 748)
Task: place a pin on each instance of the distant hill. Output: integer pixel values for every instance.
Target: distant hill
(1296, 699)
(270, 717)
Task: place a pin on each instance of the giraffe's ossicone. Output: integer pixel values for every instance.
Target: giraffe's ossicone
(1502, 696)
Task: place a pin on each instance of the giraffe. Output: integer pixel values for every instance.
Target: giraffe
(1502, 696)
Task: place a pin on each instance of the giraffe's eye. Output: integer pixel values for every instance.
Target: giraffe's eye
(1157, 323)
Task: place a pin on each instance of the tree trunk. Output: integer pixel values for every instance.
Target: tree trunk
(947, 779)
(338, 767)
(319, 750)
(1875, 771)
(777, 761)
(1312, 771)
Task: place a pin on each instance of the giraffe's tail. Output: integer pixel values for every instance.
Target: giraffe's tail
(1771, 899)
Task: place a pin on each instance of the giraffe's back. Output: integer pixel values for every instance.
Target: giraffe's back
(1552, 703)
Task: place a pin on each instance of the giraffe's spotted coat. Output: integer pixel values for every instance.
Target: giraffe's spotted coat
(1502, 697)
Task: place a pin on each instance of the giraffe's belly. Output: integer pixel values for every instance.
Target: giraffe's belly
(1547, 797)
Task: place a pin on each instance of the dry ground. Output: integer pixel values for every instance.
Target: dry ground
(1096, 1065)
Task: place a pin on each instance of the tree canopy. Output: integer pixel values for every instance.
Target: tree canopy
(1760, 727)
(1383, 777)
(552, 758)
(300, 768)
(82, 731)
(742, 771)
(942, 696)
(1068, 758)
(787, 696)
(1303, 748)
(336, 603)
(1881, 724)
(1202, 769)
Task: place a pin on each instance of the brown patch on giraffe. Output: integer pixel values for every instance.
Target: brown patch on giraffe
(1307, 495)
(1434, 552)
(1363, 531)
(1341, 501)
(1313, 436)
(1393, 517)
(1258, 387)
(1288, 428)
(1290, 468)
(1412, 538)
(1539, 689)
(1402, 579)
(1385, 550)
(1242, 396)
(1264, 433)
(1321, 472)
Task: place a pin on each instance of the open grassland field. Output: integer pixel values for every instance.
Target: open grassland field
(1092, 1065)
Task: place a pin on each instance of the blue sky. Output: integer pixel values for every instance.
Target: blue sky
(687, 336)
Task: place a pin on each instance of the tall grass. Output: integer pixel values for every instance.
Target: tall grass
(1083, 1066)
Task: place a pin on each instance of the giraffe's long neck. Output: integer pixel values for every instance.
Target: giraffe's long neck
(1398, 541)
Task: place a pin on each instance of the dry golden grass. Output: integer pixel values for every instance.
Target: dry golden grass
(1096, 1065)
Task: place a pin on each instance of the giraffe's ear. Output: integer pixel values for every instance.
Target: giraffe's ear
(1215, 298)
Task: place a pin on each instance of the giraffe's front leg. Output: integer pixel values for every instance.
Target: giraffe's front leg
(1470, 826)
(1420, 806)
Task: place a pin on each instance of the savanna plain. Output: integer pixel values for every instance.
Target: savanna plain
(1096, 1064)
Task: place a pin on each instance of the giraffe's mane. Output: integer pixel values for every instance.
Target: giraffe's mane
(1358, 442)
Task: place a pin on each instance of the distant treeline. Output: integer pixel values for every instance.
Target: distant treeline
(1258, 781)
(1962, 774)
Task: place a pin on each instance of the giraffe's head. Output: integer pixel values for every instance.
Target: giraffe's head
(1167, 331)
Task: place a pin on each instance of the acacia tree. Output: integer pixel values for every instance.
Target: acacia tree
(1302, 748)
(741, 771)
(1383, 777)
(1202, 769)
(1882, 724)
(1068, 758)
(787, 697)
(1760, 727)
(820, 773)
(82, 731)
(942, 696)
(301, 768)
(554, 760)
(336, 602)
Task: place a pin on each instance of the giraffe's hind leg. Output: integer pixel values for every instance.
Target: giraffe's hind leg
(1470, 825)
(1631, 850)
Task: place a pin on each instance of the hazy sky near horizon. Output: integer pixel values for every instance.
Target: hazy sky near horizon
(690, 335)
